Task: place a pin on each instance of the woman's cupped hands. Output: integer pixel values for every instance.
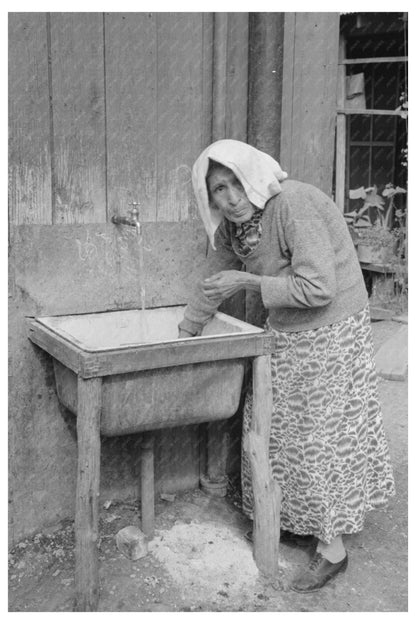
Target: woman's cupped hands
(224, 284)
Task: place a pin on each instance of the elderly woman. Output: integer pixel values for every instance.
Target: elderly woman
(328, 450)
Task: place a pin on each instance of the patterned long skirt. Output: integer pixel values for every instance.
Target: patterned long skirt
(328, 449)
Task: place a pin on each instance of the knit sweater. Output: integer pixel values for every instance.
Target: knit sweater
(310, 274)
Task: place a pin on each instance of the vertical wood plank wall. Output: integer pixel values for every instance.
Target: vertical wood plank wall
(230, 76)
(180, 107)
(78, 109)
(131, 88)
(106, 109)
(120, 111)
(309, 97)
(30, 186)
(237, 77)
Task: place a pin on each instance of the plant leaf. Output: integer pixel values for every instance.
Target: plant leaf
(358, 193)
(390, 191)
(373, 198)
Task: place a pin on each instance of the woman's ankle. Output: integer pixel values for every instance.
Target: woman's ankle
(334, 551)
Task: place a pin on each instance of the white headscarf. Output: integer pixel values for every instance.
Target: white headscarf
(258, 172)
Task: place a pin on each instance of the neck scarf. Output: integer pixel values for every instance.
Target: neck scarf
(248, 234)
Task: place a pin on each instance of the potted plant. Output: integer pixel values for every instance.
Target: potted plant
(371, 225)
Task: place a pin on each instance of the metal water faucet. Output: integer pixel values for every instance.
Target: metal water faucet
(132, 219)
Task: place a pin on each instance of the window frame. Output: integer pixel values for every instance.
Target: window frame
(342, 138)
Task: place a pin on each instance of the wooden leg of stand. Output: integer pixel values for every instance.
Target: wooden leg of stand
(266, 491)
(87, 495)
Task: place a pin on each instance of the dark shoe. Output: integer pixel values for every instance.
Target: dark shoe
(318, 573)
(290, 539)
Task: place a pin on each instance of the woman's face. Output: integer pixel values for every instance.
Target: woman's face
(227, 194)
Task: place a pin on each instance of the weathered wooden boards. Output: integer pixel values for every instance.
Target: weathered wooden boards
(156, 80)
(178, 139)
(56, 114)
(78, 113)
(131, 88)
(229, 50)
(266, 491)
(310, 67)
(392, 357)
(109, 108)
(30, 198)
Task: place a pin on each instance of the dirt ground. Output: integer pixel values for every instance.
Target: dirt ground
(200, 561)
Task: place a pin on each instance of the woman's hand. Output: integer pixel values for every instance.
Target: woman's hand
(227, 283)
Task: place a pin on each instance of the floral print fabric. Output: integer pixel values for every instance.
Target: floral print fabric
(328, 449)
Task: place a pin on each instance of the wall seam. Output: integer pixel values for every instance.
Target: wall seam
(293, 92)
(51, 120)
(157, 114)
(105, 126)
